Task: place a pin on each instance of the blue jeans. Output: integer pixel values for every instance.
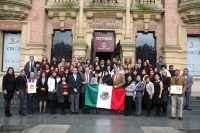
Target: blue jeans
(31, 103)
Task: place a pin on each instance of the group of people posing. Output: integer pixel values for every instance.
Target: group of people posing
(65, 82)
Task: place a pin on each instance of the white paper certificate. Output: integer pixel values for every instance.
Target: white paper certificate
(176, 89)
(31, 87)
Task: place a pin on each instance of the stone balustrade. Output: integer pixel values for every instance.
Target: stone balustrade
(63, 1)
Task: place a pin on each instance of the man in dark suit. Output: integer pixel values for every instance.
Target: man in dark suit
(75, 89)
(102, 66)
(86, 78)
(29, 66)
(54, 62)
(160, 63)
(96, 62)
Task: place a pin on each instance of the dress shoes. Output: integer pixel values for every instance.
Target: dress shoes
(164, 115)
(148, 115)
(171, 117)
(51, 112)
(156, 115)
(72, 113)
(180, 118)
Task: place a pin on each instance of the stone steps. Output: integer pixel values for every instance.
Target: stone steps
(195, 105)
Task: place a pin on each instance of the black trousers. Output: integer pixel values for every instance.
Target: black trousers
(63, 106)
(129, 102)
(52, 105)
(164, 107)
(158, 107)
(148, 108)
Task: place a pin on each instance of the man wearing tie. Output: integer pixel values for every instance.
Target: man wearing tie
(96, 62)
(102, 66)
(118, 82)
(86, 78)
(180, 81)
(29, 66)
(75, 89)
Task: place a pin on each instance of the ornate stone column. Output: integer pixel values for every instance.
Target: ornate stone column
(80, 45)
(128, 47)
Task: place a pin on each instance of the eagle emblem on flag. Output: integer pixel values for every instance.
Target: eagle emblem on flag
(104, 95)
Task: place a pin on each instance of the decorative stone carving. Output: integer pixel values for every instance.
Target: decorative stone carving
(60, 10)
(14, 9)
(190, 11)
(147, 16)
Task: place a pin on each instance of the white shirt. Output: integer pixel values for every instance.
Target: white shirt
(74, 77)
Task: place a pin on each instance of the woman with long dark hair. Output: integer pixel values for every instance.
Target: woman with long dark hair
(47, 70)
(88, 62)
(166, 83)
(134, 75)
(44, 62)
(42, 91)
(20, 84)
(145, 67)
(129, 87)
(8, 85)
(52, 85)
(157, 98)
(96, 80)
(139, 89)
(62, 93)
(107, 80)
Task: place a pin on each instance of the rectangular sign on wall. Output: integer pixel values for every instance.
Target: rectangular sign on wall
(193, 55)
(104, 41)
(12, 51)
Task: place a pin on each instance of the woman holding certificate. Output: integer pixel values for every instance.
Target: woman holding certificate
(52, 85)
(8, 87)
(96, 80)
(31, 83)
(20, 84)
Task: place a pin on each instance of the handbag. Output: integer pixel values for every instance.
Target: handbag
(65, 93)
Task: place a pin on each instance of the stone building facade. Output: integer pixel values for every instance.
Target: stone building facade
(170, 21)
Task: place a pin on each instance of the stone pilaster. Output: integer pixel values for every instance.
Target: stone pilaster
(80, 45)
(128, 47)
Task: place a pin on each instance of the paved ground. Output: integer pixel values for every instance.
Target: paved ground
(104, 123)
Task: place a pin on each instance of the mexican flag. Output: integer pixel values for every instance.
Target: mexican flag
(103, 96)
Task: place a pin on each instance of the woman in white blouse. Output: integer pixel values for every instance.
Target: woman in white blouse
(96, 80)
